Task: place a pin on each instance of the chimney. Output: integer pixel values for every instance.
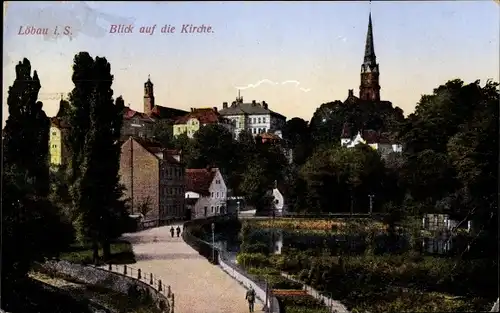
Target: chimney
(264, 104)
(192, 109)
(351, 92)
(224, 105)
(215, 109)
(254, 102)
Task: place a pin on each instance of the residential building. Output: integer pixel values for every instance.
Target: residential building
(136, 124)
(206, 192)
(155, 111)
(255, 117)
(154, 180)
(190, 123)
(441, 230)
(377, 140)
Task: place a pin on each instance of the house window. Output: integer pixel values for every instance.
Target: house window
(263, 120)
(217, 181)
(53, 133)
(217, 209)
(259, 119)
(212, 208)
(212, 194)
(217, 195)
(54, 146)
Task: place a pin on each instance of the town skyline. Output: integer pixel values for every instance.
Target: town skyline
(268, 60)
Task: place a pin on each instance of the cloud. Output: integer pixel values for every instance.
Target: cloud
(270, 82)
(342, 38)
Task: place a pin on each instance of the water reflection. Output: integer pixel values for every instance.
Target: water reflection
(276, 241)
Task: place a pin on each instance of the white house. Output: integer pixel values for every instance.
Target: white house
(206, 192)
(254, 117)
(378, 141)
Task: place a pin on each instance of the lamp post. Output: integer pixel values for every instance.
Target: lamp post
(238, 207)
(371, 203)
(213, 242)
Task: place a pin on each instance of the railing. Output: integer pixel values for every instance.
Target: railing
(148, 278)
(219, 257)
(333, 305)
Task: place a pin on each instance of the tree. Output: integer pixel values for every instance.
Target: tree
(340, 179)
(456, 170)
(30, 223)
(297, 133)
(97, 191)
(163, 132)
(144, 207)
(213, 145)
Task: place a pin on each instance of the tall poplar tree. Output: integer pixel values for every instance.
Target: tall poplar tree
(29, 222)
(96, 123)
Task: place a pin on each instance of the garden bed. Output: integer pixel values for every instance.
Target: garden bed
(121, 253)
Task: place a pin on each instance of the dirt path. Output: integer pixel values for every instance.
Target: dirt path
(199, 286)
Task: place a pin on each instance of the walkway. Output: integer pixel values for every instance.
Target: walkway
(199, 286)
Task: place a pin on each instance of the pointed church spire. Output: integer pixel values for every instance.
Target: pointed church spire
(370, 57)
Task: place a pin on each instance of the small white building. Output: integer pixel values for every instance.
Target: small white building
(279, 201)
(206, 192)
(376, 140)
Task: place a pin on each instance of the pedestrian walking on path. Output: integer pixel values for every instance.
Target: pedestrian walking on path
(178, 230)
(250, 297)
(172, 231)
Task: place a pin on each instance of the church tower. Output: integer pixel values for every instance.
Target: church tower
(149, 97)
(369, 89)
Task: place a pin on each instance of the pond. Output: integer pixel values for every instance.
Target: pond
(277, 240)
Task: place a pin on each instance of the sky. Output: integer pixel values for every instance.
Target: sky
(320, 45)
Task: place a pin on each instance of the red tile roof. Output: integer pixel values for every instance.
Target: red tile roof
(161, 112)
(128, 113)
(156, 148)
(346, 131)
(204, 115)
(371, 137)
(199, 180)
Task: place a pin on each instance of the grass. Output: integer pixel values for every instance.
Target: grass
(117, 302)
(121, 253)
(33, 296)
(332, 226)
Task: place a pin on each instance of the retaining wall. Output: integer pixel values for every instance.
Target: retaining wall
(113, 280)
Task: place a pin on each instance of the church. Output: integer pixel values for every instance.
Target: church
(369, 94)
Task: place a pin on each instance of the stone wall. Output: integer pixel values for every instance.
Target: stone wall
(115, 281)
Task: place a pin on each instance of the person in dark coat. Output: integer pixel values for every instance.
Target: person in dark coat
(250, 297)
(178, 231)
(172, 231)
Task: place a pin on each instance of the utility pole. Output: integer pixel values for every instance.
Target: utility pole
(371, 203)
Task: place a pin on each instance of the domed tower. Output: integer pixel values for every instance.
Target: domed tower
(149, 97)
(370, 88)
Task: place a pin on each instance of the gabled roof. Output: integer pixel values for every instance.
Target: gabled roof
(156, 149)
(239, 107)
(166, 113)
(203, 115)
(199, 180)
(128, 113)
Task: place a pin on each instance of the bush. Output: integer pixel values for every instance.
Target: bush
(247, 260)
